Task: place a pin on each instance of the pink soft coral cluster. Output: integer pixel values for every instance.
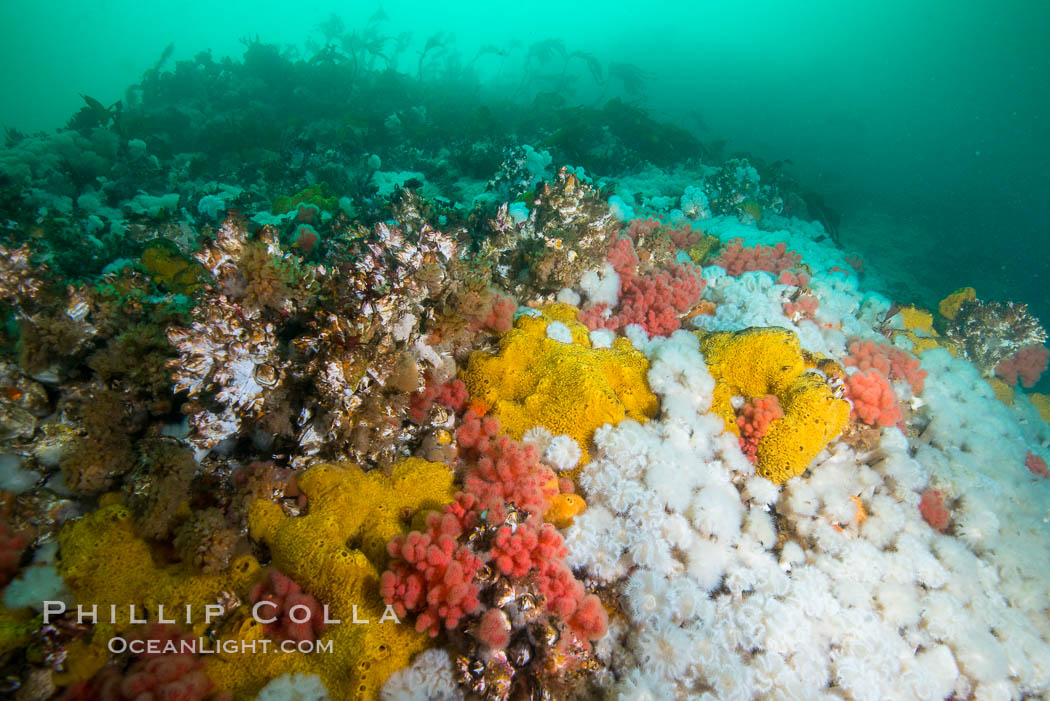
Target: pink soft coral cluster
(623, 258)
(1036, 464)
(296, 615)
(892, 363)
(494, 629)
(598, 316)
(1026, 366)
(165, 676)
(502, 471)
(434, 573)
(754, 420)
(451, 394)
(654, 301)
(873, 399)
(934, 511)
(795, 278)
(682, 236)
(501, 314)
(517, 551)
(803, 307)
(737, 260)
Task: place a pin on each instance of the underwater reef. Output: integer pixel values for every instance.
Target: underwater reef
(316, 384)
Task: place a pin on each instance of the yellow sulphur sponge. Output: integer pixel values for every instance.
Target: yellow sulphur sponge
(568, 388)
(760, 361)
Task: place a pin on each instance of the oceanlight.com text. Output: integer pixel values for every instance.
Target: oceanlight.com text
(204, 646)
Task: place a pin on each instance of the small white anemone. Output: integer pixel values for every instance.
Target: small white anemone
(562, 453)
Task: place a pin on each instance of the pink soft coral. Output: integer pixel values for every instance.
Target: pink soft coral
(893, 363)
(305, 623)
(494, 629)
(434, 573)
(805, 307)
(501, 314)
(152, 676)
(451, 394)
(655, 301)
(11, 548)
(589, 621)
(934, 511)
(1026, 365)
(873, 399)
(1036, 465)
(754, 420)
(598, 316)
(682, 236)
(794, 278)
(509, 472)
(623, 259)
(640, 228)
(475, 433)
(518, 551)
(737, 260)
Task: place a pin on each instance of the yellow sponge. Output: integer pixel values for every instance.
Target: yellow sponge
(335, 552)
(760, 361)
(949, 306)
(568, 388)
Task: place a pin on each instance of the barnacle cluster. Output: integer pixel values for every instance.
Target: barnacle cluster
(317, 360)
(567, 232)
(21, 282)
(988, 332)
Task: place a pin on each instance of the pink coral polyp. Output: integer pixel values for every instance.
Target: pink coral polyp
(892, 363)
(434, 573)
(737, 260)
(1025, 366)
(296, 615)
(873, 399)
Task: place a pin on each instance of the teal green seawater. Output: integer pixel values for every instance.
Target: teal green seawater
(934, 112)
(926, 125)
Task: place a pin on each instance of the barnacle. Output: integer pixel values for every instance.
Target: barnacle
(989, 332)
(568, 233)
(260, 351)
